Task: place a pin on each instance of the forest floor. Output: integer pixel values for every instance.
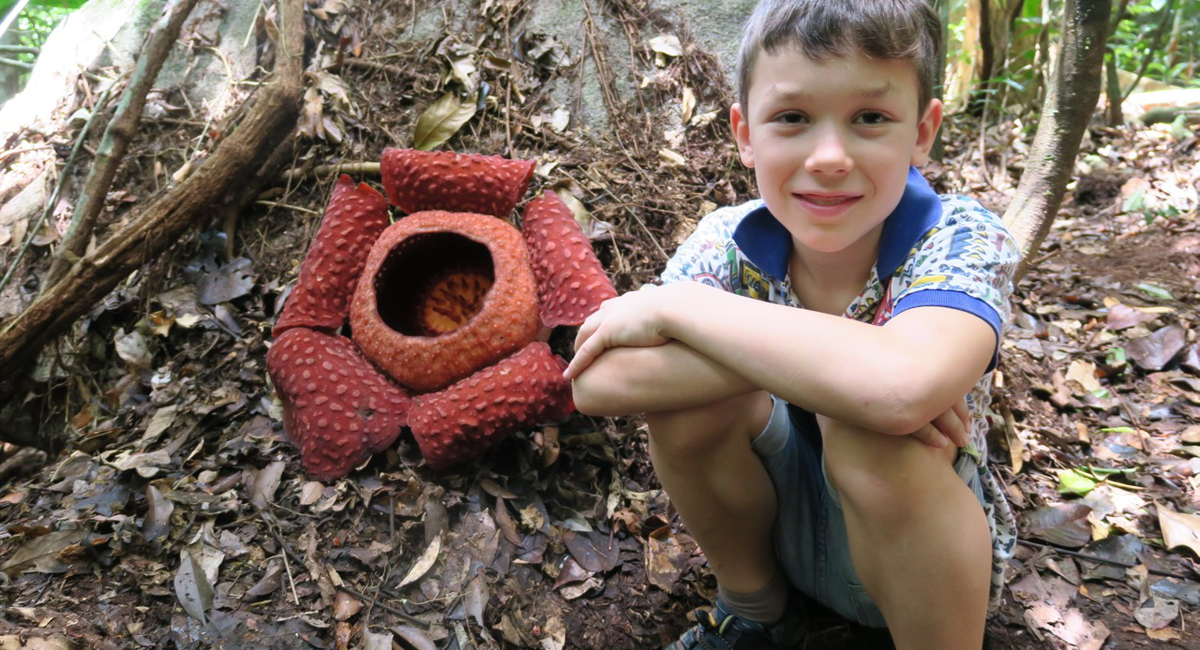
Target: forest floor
(175, 512)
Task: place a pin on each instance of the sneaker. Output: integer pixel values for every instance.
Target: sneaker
(721, 629)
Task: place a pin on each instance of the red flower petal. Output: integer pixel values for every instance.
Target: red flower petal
(466, 419)
(416, 181)
(571, 281)
(337, 407)
(353, 220)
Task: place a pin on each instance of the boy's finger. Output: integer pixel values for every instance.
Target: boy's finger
(951, 426)
(964, 414)
(583, 358)
(929, 435)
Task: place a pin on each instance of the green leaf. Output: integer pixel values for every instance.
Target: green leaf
(1136, 201)
(1155, 291)
(1101, 393)
(1115, 357)
(441, 121)
(1118, 430)
(1070, 481)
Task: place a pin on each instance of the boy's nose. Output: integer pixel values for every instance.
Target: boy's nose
(829, 154)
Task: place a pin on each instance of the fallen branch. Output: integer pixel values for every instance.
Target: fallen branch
(323, 171)
(163, 222)
(116, 139)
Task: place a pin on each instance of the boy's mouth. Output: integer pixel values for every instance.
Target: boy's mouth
(827, 200)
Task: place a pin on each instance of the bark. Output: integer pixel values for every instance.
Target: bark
(216, 183)
(116, 138)
(1072, 93)
(1112, 89)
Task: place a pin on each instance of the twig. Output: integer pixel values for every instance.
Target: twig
(363, 64)
(12, 63)
(276, 204)
(1101, 560)
(287, 551)
(66, 171)
(325, 170)
(117, 135)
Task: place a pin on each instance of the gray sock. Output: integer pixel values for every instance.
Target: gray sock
(763, 606)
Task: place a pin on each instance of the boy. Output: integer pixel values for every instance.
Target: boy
(808, 446)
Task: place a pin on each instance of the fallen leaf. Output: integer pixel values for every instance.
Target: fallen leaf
(1155, 291)
(41, 554)
(232, 280)
(666, 46)
(346, 606)
(1158, 614)
(424, 563)
(310, 492)
(476, 600)
(1179, 529)
(132, 349)
(414, 637)
(596, 552)
(1122, 316)
(157, 522)
(162, 420)
(1084, 373)
(376, 640)
(192, 587)
(1072, 481)
(1155, 351)
(665, 559)
(555, 635)
(1063, 525)
(266, 482)
(441, 121)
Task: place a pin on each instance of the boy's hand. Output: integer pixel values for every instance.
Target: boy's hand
(631, 320)
(951, 426)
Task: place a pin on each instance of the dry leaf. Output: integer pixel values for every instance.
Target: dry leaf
(424, 563)
(376, 641)
(1084, 373)
(687, 105)
(1179, 529)
(311, 492)
(266, 481)
(158, 514)
(441, 121)
(161, 421)
(345, 606)
(414, 637)
(192, 587)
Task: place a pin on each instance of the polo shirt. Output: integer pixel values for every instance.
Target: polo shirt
(943, 251)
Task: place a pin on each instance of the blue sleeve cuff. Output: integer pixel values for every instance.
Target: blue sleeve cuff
(954, 300)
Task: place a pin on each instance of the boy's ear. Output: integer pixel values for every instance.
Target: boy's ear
(741, 133)
(927, 129)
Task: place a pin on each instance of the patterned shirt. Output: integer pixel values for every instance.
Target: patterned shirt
(943, 251)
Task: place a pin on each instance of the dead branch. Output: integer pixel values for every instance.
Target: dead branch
(324, 171)
(116, 139)
(164, 221)
(1071, 96)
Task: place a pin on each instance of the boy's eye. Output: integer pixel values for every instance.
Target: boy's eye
(791, 117)
(872, 118)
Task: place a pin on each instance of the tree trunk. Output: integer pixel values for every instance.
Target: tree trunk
(239, 156)
(1072, 93)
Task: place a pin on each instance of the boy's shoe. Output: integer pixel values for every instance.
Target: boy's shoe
(721, 629)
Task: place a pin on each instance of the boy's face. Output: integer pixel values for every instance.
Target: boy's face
(831, 143)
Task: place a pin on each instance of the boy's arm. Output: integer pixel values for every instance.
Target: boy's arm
(892, 379)
(654, 379)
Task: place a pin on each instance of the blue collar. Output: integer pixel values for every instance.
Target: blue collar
(768, 244)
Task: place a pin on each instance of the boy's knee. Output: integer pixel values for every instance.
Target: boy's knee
(885, 478)
(703, 428)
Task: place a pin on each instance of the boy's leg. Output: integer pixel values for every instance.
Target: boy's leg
(918, 536)
(704, 460)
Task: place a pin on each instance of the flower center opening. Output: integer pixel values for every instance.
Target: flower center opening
(434, 283)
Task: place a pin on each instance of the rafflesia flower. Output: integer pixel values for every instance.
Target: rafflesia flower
(448, 308)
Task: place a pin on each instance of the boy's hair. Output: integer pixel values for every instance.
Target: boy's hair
(825, 29)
